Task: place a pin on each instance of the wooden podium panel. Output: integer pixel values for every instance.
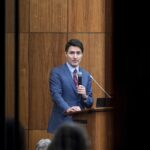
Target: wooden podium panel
(99, 125)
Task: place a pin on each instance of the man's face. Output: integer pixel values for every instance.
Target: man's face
(74, 56)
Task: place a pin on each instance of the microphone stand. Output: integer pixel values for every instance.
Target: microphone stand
(100, 86)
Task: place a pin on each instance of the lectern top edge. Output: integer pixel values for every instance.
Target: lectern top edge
(90, 110)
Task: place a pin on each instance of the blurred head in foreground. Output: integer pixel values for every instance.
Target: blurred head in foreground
(70, 136)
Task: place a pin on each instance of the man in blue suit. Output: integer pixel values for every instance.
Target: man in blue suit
(68, 96)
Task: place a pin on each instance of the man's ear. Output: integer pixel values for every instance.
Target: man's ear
(65, 53)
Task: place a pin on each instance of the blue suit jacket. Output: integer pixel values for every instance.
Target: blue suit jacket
(64, 94)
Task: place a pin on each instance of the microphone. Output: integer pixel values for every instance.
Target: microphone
(100, 86)
(80, 83)
(79, 78)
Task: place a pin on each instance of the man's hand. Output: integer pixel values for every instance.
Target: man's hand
(81, 90)
(73, 109)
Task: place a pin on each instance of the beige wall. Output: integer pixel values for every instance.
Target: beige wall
(45, 27)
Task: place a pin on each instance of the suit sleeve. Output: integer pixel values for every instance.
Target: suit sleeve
(89, 101)
(56, 90)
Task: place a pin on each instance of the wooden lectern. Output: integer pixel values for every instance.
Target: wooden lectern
(99, 125)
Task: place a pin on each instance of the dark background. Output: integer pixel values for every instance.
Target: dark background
(131, 73)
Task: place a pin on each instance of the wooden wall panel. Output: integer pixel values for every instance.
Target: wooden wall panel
(26, 139)
(35, 136)
(105, 134)
(24, 15)
(10, 11)
(86, 16)
(94, 58)
(45, 52)
(9, 76)
(57, 21)
(23, 80)
(109, 16)
(109, 64)
(48, 15)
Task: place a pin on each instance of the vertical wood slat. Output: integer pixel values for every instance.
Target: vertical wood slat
(45, 51)
(23, 80)
(109, 47)
(9, 73)
(108, 16)
(86, 16)
(48, 16)
(105, 134)
(10, 12)
(26, 131)
(109, 64)
(24, 15)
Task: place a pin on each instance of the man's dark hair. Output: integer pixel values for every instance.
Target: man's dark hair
(74, 42)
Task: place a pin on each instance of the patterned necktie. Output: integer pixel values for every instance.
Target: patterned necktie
(75, 79)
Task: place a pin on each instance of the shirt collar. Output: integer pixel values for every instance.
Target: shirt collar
(72, 68)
